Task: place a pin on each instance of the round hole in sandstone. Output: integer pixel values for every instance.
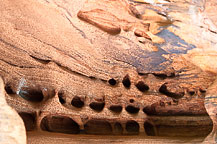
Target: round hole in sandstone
(149, 110)
(112, 82)
(98, 127)
(29, 120)
(126, 81)
(97, 106)
(116, 108)
(149, 129)
(131, 100)
(191, 93)
(141, 86)
(118, 129)
(132, 127)
(32, 95)
(8, 89)
(132, 109)
(61, 98)
(61, 124)
(77, 102)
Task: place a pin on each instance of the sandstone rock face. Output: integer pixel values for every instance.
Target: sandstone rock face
(12, 127)
(111, 66)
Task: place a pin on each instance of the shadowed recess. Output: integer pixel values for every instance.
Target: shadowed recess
(61, 97)
(98, 127)
(77, 102)
(126, 81)
(184, 130)
(149, 129)
(163, 89)
(61, 124)
(43, 61)
(164, 76)
(112, 82)
(149, 110)
(191, 93)
(132, 109)
(141, 86)
(116, 108)
(118, 129)
(97, 106)
(29, 120)
(152, 110)
(131, 100)
(132, 127)
(202, 90)
(9, 89)
(32, 95)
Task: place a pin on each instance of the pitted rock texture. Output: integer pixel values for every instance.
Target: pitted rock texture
(109, 67)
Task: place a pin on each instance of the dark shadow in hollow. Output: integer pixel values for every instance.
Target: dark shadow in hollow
(118, 129)
(116, 108)
(99, 127)
(149, 129)
(97, 106)
(61, 124)
(29, 120)
(77, 102)
(132, 127)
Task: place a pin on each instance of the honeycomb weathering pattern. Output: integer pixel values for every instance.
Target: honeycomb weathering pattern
(110, 67)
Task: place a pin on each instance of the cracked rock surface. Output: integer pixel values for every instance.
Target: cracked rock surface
(112, 67)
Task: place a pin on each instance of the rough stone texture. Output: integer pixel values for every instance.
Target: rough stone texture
(117, 66)
(12, 127)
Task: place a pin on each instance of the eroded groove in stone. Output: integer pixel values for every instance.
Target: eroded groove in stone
(163, 89)
(132, 109)
(116, 108)
(149, 129)
(164, 76)
(132, 127)
(61, 124)
(29, 120)
(141, 86)
(98, 127)
(97, 106)
(126, 81)
(118, 129)
(178, 126)
(62, 98)
(183, 130)
(74, 55)
(77, 102)
(32, 95)
(43, 61)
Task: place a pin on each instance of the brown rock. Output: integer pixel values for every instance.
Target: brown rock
(12, 127)
(65, 75)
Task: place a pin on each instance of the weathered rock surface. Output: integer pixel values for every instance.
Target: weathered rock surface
(12, 127)
(111, 66)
